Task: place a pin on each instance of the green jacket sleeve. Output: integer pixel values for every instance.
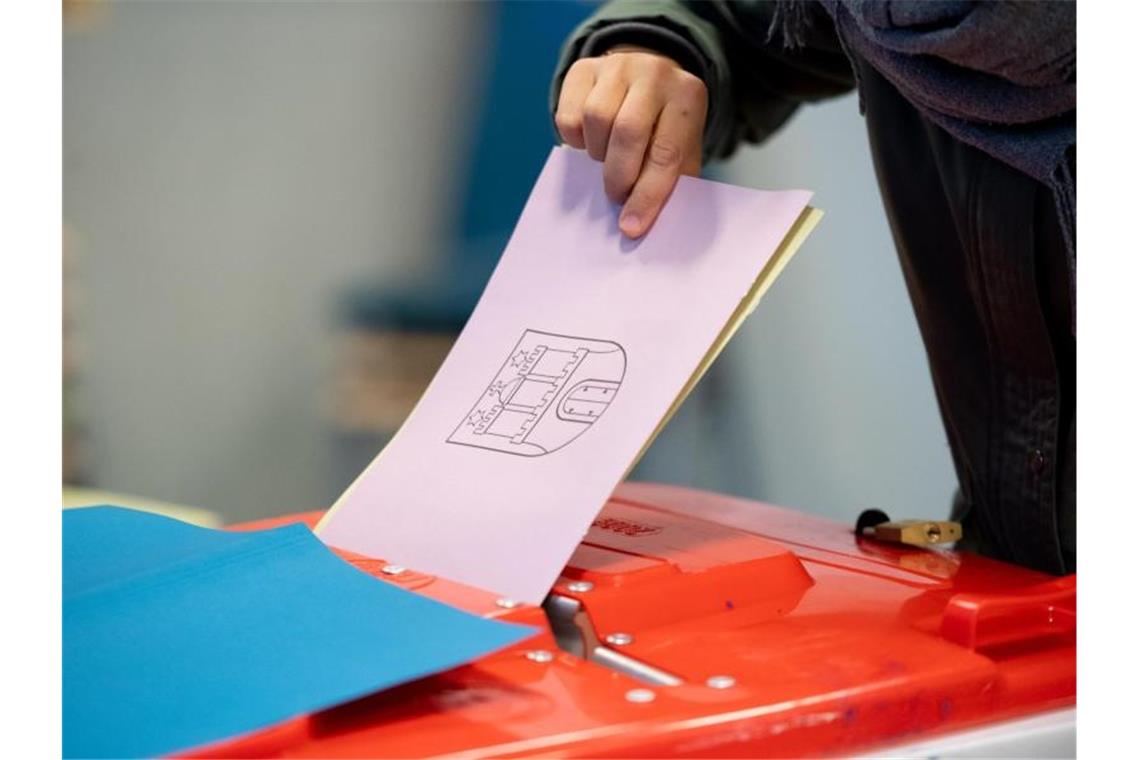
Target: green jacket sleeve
(755, 81)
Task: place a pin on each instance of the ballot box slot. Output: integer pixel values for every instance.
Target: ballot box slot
(575, 634)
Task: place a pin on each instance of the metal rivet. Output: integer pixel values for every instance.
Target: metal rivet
(539, 655)
(619, 639)
(720, 682)
(393, 569)
(507, 604)
(640, 696)
(579, 587)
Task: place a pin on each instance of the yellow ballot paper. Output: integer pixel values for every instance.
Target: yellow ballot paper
(581, 348)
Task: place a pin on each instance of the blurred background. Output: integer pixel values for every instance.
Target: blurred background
(279, 214)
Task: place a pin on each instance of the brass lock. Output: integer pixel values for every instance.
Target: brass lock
(916, 532)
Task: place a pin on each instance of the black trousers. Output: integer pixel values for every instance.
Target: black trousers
(985, 263)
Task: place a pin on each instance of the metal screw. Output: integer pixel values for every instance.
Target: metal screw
(720, 682)
(539, 655)
(507, 604)
(579, 587)
(640, 696)
(619, 639)
(933, 533)
(393, 569)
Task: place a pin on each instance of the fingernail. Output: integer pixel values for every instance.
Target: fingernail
(630, 224)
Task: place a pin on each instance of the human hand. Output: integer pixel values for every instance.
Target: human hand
(643, 116)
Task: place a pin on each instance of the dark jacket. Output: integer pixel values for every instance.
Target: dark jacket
(974, 147)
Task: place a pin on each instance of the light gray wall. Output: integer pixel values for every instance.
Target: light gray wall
(228, 168)
(839, 407)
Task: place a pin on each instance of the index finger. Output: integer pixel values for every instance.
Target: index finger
(674, 149)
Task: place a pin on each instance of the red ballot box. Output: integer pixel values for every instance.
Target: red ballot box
(691, 624)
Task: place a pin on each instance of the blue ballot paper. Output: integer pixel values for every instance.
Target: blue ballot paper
(175, 636)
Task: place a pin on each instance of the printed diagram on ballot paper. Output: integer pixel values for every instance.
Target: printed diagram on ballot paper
(550, 389)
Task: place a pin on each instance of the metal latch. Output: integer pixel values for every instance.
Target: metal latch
(574, 633)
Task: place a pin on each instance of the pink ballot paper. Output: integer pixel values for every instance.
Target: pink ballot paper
(577, 351)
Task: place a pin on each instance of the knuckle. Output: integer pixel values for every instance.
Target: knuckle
(567, 123)
(664, 154)
(620, 61)
(655, 68)
(627, 132)
(594, 116)
(691, 87)
(659, 64)
(582, 66)
(610, 66)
